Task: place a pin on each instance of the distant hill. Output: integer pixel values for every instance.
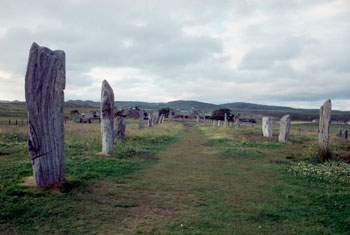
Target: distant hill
(237, 107)
(245, 109)
(249, 106)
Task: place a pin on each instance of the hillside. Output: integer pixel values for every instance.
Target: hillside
(12, 109)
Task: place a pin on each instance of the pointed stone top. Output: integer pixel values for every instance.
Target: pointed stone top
(285, 117)
(105, 84)
(328, 103)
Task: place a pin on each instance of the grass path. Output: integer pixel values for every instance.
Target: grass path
(192, 190)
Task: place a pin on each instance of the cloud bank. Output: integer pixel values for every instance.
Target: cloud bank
(292, 53)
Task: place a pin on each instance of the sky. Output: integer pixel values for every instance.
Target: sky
(292, 53)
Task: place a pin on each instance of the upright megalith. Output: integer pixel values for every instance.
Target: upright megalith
(170, 116)
(155, 118)
(323, 136)
(150, 119)
(219, 122)
(107, 117)
(267, 126)
(45, 81)
(284, 129)
(237, 121)
(161, 119)
(225, 121)
(214, 122)
(198, 119)
(119, 130)
(142, 119)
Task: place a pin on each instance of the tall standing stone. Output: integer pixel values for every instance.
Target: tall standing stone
(323, 136)
(45, 81)
(119, 130)
(107, 117)
(219, 122)
(236, 121)
(155, 118)
(160, 119)
(214, 122)
(267, 126)
(142, 119)
(197, 118)
(225, 121)
(170, 116)
(150, 119)
(284, 129)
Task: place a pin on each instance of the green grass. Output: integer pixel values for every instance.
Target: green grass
(308, 197)
(179, 178)
(74, 206)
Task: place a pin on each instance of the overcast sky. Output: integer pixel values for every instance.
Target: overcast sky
(290, 53)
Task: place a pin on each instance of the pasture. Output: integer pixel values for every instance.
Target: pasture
(180, 178)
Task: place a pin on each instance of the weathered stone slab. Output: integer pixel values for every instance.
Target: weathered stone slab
(107, 117)
(267, 126)
(236, 121)
(225, 121)
(219, 122)
(45, 81)
(284, 129)
(142, 119)
(150, 119)
(155, 118)
(197, 118)
(119, 130)
(160, 119)
(323, 136)
(170, 116)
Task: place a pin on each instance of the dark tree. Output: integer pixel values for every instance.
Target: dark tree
(164, 111)
(219, 114)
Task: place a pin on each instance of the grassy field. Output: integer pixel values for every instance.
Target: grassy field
(84, 202)
(180, 178)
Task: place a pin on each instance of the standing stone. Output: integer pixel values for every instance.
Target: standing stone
(197, 118)
(214, 122)
(346, 134)
(149, 119)
(237, 122)
(284, 129)
(340, 133)
(45, 81)
(267, 126)
(155, 118)
(142, 119)
(219, 122)
(119, 130)
(225, 121)
(170, 116)
(323, 136)
(107, 117)
(160, 119)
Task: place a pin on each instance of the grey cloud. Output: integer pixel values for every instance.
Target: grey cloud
(265, 57)
(182, 65)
